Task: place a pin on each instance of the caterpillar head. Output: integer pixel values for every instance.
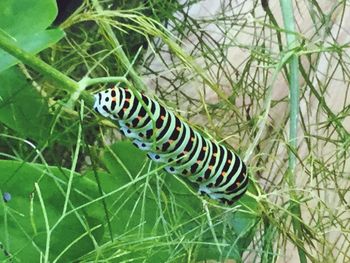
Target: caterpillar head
(106, 103)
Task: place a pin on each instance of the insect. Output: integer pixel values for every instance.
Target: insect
(218, 171)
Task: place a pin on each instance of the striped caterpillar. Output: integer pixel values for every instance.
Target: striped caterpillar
(218, 171)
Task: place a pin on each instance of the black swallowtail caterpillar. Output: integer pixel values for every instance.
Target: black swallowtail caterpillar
(219, 172)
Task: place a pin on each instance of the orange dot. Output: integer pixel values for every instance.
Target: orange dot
(162, 117)
(229, 161)
(127, 100)
(223, 173)
(204, 148)
(139, 117)
(124, 109)
(192, 139)
(198, 161)
(215, 154)
(238, 184)
(178, 128)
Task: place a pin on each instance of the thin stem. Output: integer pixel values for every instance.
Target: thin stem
(89, 82)
(48, 233)
(37, 64)
(288, 18)
(267, 104)
(119, 51)
(75, 161)
(287, 10)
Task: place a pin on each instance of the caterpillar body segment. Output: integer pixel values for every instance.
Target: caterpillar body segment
(218, 171)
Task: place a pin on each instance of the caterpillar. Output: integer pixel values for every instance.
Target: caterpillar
(218, 171)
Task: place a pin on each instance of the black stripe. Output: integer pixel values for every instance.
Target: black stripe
(181, 140)
(113, 93)
(134, 122)
(166, 128)
(193, 150)
(224, 169)
(113, 104)
(202, 153)
(133, 108)
(145, 99)
(149, 133)
(159, 121)
(195, 166)
(213, 160)
(234, 170)
(121, 102)
(188, 146)
(127, 94)
(233, 187)
(104, 107)
(142, 112)
(219, 180)
(175, 133)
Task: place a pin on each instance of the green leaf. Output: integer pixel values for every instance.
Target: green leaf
(17, 16)
(245, 221)
(33, 44)
(21, 107)
(150, 219)
(25, 22)
(22, 226)
(179, 209)
(124, 155)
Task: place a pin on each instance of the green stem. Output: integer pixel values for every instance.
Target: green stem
(46, 220)
(119, 51)
(288, 18)
(37, 64)
(89, 82)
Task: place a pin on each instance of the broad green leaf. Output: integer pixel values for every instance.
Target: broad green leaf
(26, 17)
(25, 23)
(149, 221)
(22, 226)
(33, 44)
(21, 107)
(245, 220)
